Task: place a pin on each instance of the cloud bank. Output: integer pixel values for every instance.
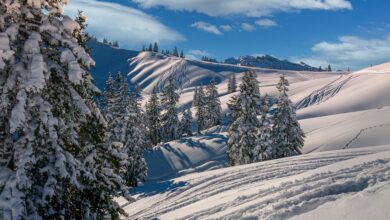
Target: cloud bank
(131, 27)
(251, 8)
(351, 51)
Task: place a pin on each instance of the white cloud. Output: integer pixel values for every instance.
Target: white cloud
(131, 27)
(249, 8)
(226, 28)
(350, 51)
(266, 23)
(247, 27)
(207, 27)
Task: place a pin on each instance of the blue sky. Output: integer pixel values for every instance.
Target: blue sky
(344, 33)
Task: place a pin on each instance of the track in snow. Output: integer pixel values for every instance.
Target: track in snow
(250, 191)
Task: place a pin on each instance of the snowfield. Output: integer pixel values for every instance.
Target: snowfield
(278, 189)
(343, 174)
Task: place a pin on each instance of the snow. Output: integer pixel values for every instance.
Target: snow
(18, 116)
(345, 167)
(5, 52)
(362, 205)
(277, 189)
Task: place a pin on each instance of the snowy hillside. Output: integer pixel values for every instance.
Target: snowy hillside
(328, 106)
(300, 187)
(152, 70)
(346, 118)
(268, 61)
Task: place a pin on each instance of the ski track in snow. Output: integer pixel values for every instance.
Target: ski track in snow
(232, 193)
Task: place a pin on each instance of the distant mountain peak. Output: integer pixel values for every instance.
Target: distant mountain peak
(268, 61)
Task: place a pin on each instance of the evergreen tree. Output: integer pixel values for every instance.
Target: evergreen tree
(232, 84)
(201, 108)
(264, 150)
(81, 36)
(143, 48)
(288, 137)
(115, 44)
(329, 68)
(169, 118)
(150, 47)
(175, 52)
(214, 109)
(135, 143)
(185, 123)
(195, 100)
(116, 97)
(243, 133)
(182, 54)
(153, 116)
(155, 48)
(105, 41)
(58, 164)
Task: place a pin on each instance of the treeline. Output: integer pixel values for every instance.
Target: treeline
(155, 48)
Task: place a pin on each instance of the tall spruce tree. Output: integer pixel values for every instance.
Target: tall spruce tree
(214, 109)
(288, 137)
(57, 164)
(201, 108)
(153, 111)
(185, 123)
(232, 84)
(155, 47)
(264, 150)
(116, 98)
(175, 52)
(195, 100)
(135, 143)
(243, 133)
(169, 118)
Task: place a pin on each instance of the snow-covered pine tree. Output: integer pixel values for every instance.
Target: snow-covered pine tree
(288, 137)
(175, 52)
(57, 164)
(264, 149)
(155, 47)
(201, 108)
(214, 109)
(169, 118)
(153, 110)
(116, 98)
(81, 36)
(243, 132)
(195, 100)
(135, 143)
(232, 84)
(185, 123)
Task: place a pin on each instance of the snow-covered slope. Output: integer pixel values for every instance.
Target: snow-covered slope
(152, 70)
(300, 187)
(346, 165)
(335, 127)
